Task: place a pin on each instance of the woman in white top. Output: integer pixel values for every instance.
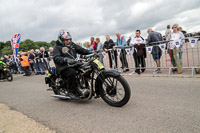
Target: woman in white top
(175, 38)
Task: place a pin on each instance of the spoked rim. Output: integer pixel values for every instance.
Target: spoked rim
(113, 90)
(60, 91)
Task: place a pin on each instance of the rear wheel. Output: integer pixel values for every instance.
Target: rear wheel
(115, 91)
(9, 76)
(57, 86)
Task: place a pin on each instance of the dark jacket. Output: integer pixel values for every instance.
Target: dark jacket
(139, 51)
(59, 56)
(37, 57)
(108, 44)
(31, 57)
(44, 54)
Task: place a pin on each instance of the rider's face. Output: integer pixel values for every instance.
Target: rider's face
(67, 41)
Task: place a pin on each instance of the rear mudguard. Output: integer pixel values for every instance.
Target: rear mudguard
(99, 78)
(50, 80)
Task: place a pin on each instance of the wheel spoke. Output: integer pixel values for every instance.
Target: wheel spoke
(112, 83)
(117, 98)
(116, 84)
(121, 96)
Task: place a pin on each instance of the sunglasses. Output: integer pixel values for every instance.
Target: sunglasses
(174, 27)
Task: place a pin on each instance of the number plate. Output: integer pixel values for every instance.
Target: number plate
(99, 64)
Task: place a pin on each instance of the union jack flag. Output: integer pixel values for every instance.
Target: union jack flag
(15, 44)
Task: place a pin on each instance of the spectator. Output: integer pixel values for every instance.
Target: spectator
(121, 42)
(168, 31)
(100, 49)
(25, 64)
(175, 35)
(93, 43)
(181, 30)
(139, 52)
(108, 48)
(20, 53)
(51, 62)
(20, 70)
(37, 61)
(43, 60)
(6, 59)
(129, 40)
(12, 63)
(2, 58)
(31, 59)
(89, 46)
(51, 52)
(156, 51)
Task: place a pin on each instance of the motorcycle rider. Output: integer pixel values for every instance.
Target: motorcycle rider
(64, 57)
(2, 67)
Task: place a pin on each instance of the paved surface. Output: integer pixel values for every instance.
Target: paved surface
(157, 105)
(12, 121)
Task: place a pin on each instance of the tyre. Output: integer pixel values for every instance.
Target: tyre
(115, 90)
(9, 76)
(53, 85)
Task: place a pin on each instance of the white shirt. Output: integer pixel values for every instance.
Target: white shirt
(172, 37)
(135, 41)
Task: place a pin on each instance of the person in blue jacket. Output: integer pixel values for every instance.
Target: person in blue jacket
(121, 43)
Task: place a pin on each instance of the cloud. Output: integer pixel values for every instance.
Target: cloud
(41, 20)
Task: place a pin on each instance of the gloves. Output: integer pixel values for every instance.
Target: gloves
(90, 52)
(69, 61)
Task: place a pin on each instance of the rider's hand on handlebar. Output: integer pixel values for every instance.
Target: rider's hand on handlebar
(69, 61)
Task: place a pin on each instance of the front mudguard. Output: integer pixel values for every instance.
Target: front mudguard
(100, 78)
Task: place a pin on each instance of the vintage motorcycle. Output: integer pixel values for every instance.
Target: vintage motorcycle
(5, 74)
(92, 80)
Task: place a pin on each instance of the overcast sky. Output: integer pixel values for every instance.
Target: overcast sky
(40, 20)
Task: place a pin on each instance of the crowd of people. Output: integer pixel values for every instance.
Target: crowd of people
(33, 61)
(138, 48)
(39, 60)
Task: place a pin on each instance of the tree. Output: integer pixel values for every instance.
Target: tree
(26, 45)
(52, 43)
(7, 49)
(2, 44)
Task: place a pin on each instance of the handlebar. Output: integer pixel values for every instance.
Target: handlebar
(89, 55)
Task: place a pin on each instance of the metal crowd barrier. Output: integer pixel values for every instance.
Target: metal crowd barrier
(190, 57)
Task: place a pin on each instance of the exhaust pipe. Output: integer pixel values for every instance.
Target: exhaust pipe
(61, 97)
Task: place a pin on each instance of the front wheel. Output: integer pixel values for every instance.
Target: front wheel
(115, 90)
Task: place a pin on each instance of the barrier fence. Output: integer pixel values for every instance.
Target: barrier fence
(189, 57)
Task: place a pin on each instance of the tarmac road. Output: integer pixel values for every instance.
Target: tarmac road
(157, 105)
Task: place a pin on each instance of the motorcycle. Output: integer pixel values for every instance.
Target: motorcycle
(6, 74)
(92, 80)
